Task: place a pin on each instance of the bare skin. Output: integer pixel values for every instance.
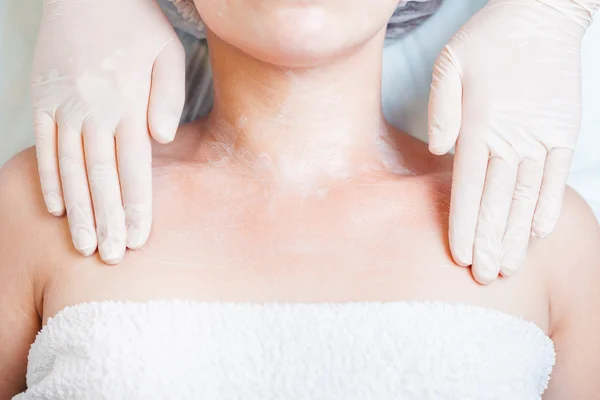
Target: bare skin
(287, 195)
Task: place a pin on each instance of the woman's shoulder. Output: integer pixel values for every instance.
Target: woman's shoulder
(20, 194)
(570, 259)
(416, 157)
(27, 230)
(575, 242)
(25, 237)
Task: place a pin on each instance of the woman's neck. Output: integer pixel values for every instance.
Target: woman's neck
(305, 123)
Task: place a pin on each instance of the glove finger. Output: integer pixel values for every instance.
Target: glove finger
(520, 219)
(106, 193)
(468, 178)
(134, 153)
(167, 93)
(75, 188)
(493, 215)
(556, 172)
(46, 149)
(445, 104)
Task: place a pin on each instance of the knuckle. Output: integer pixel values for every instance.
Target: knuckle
(484, 239)
(43, 139)
(513, 237)
(138, 215)
(80, 215)
(526, 192)
(510, 267)
(70, 164)
(49, 177)
(103, 177)
(111, 223)
(442, 67)
(488, 220)
(501, 187)
(43, 126)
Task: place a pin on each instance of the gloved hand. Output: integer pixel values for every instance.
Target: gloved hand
(508, 86)
(107, 74)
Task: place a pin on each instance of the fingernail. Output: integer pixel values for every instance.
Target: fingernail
(485, 270)
(54, 204)
(543, 226)
(509, 269)
(165, 127)
(484, 275)
(436, 149)
(136, 237)
(139, 221)
(111, 251)
(463, 259)
(84, 241)
(541, 232)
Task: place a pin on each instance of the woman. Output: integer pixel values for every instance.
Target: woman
(489, 96)
(303, 255)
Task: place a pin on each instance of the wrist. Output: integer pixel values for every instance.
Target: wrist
(591, 6)
(581, 11)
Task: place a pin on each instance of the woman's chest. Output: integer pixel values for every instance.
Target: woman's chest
(356, 338)
(340, 247)
(203, 268)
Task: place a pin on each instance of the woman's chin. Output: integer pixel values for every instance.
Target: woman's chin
(300, 50)
(295, 33)
(295, 56)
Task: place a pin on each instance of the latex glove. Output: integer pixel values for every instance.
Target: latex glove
(508, 86)
(106, 75)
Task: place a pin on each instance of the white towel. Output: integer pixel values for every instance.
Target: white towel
(223, 351)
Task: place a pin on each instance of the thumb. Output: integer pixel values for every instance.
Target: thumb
(167, 93)
(445, 104)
